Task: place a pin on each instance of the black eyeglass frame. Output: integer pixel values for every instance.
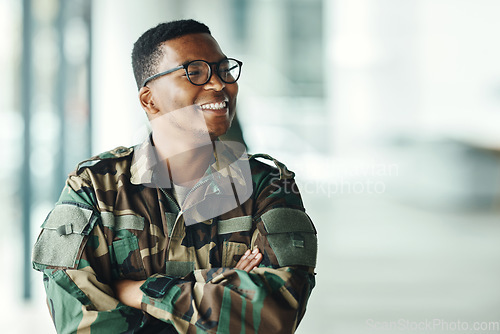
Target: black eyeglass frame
(185, 67)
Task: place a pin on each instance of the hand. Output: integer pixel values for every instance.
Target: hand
(249, 260)
(128, 292)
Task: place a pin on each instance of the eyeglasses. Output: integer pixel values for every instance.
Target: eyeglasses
(199, 72)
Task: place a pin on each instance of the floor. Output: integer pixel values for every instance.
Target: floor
(385, 267)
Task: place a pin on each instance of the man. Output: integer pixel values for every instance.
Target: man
(184, 233)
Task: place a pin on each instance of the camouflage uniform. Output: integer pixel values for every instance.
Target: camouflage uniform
(107, 225)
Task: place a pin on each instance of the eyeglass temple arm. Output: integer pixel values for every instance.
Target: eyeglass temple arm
(161, 74)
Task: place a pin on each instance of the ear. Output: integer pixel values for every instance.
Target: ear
(147, 102)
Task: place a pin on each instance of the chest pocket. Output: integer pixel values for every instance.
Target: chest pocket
(236, 241)
(125, 251)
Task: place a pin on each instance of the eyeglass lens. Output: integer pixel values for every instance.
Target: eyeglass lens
(199, 71)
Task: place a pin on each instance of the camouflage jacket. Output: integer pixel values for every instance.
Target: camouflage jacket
(108, 226)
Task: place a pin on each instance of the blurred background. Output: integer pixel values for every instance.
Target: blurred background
(387, 110)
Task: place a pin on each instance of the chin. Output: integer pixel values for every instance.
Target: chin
(216, 134)
(220, 129)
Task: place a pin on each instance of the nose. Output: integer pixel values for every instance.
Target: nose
(215, 83)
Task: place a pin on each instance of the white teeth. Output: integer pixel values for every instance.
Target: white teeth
(214, 106)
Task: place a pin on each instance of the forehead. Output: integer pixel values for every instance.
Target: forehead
(191, 47)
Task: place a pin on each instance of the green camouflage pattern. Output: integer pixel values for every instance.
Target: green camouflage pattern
(109, 228)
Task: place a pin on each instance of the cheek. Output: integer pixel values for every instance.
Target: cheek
(174, 97)
(232, 91)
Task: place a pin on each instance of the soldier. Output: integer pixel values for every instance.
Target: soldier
(184, 233)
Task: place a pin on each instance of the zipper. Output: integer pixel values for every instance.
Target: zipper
(176, 219)
(196, 186)
(171, 198)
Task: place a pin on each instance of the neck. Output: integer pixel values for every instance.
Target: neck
(187, 163)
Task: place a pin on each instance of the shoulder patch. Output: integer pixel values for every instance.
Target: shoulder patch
(292, 236)
(285, 173)
(62, 235)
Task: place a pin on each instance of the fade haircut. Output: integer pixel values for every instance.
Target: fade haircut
(147, 52)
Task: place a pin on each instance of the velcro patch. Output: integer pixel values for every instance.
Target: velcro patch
(62, 235)
(178, 268)
(124, 222)
(170, 217)
(236, 224)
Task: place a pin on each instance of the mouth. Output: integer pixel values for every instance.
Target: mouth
(215, 107)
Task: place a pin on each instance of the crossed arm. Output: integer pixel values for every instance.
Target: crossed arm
(128, 291)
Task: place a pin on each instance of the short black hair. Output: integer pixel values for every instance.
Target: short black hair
(147, 51)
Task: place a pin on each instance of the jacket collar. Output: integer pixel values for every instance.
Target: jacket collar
(230, 164)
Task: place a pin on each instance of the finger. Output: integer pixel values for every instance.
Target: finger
(243, 260)
(248, 259)
(257, 260)
(254, 262)
(255, 257)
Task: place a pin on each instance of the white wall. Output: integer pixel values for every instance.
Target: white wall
(117, 115)
(415, 68)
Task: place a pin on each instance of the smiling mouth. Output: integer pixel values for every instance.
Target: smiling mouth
(214, 106)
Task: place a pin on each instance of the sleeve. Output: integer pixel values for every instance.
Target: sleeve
(229, 300)
(271, 298)
(69, 251)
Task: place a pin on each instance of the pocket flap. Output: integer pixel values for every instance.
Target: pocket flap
(68, 219)
(284, 220)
